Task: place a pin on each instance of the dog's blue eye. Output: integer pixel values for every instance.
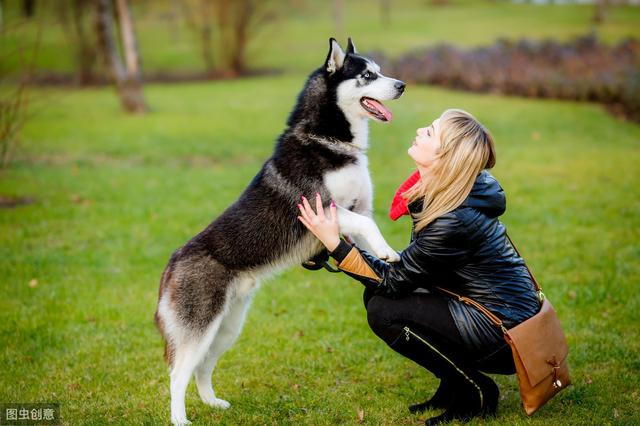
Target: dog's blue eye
(367, 75)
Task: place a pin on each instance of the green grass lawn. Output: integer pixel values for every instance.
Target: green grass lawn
(114, 195)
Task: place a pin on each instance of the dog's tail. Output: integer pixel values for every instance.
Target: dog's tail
(158, 320)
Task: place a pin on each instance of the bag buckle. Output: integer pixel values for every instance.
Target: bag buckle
(554, 371)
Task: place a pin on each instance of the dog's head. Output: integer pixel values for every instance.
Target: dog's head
(358, 83)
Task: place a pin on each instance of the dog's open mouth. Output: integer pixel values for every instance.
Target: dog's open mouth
(376, 109)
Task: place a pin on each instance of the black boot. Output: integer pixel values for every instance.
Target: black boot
(474, 394)
(441, 399)
(466, 402)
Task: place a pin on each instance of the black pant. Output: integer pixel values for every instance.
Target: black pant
(429, 314)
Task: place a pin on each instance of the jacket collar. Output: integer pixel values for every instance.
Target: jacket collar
(486, 196)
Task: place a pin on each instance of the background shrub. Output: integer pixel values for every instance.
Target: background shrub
(584, 69)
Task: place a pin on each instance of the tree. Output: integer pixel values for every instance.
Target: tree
(81, 41)
(127, 78)
(232, 24)
(15, 96)
(600, 10)
(202, 24)
(28, 8)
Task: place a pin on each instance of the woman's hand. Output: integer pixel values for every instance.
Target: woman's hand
(327, 229)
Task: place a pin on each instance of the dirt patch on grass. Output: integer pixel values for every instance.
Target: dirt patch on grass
(10, 202)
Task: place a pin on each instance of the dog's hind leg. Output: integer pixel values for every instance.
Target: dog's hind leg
(188, 355)
(203, 382)
(228, 333)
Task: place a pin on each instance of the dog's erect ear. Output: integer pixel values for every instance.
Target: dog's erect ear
(351, 48)
(335, 59)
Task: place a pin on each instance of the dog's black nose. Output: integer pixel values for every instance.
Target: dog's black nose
(399, 85)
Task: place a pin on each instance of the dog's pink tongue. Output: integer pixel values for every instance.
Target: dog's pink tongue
(381, 109)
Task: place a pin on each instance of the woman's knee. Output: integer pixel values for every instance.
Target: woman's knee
(375, 313)
(366, 296)
(380, 322)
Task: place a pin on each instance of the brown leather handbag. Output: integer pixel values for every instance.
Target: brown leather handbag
(539, 350)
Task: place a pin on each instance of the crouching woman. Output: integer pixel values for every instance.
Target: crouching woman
(457, 244)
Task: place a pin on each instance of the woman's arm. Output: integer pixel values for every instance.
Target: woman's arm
(435, 248)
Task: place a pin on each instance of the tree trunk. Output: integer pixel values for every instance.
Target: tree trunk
(28, 8)
(127, 80)
(85, 47)
(600, 11)
(207, 48)
(241, 29)
(225, 22)
(206, 35)
(174, 24)
(200, 22)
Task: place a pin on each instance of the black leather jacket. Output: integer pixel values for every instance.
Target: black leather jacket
(467, 252)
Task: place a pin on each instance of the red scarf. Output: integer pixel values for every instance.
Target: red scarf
(399, 203)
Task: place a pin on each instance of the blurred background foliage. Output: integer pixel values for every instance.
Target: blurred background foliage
(586, 52)
(242, 35)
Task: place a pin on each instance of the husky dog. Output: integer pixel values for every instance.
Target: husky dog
(209, 282)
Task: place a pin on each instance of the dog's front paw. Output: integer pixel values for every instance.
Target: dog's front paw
(386, 253)
(217, 403)
(182, 421)
(393, 257)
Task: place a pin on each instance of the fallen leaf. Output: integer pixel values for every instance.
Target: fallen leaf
(589, 381)
(360, 415)
(615, 413)
(295, 386)
(78, 199)
(329, 349)
(33, 283)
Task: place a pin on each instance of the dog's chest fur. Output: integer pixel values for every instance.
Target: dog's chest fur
(350, 186)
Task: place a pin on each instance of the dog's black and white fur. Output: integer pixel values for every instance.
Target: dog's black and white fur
(208, 283)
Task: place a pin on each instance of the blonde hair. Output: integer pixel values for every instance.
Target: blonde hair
(466, 148)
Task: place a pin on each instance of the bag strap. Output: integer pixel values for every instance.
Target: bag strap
(535, 282)
(492, 317)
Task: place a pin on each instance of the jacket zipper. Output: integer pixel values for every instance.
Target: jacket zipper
(408, 332)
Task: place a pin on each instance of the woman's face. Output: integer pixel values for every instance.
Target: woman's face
(426, 144)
